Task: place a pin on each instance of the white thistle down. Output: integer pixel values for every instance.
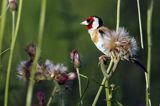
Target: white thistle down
(120, 43)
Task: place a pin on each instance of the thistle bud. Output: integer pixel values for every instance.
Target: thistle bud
(75, 58)
(12, 5)
(41, 98)
(31, 50)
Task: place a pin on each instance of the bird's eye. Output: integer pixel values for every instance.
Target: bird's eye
(88, 20)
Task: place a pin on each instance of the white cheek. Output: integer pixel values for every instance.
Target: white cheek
(95, 24)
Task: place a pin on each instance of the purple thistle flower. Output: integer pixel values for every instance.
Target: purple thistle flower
(24, 69)
(58, 72)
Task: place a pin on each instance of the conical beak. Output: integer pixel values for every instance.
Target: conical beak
(84, 23)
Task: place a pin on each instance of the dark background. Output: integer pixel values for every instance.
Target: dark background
(63, 33)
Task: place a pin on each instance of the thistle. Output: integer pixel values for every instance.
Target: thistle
(12, 4)
(75, 58)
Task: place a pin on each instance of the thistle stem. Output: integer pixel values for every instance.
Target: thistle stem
(105, 79)
(118, 13)
(2, 24)
(86, 86)
(79, 83)
(148, 101)
(103, 82)
(10, 61)
(13, 23)
(4, 12)
(108, 99)
(147, 75)
(40, 37)
(108, 96)
(140, 24)
(2, 27)
(14, 37)
(109, 67)
(52, 95)
(99, 92)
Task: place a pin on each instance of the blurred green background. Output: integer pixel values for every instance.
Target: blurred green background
(63, 33)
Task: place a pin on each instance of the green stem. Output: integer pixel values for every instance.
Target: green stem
(52, 95)
(140, 23)
(2, 23)
(79, 83)
(81, 75)
(109, 67)
(9, 61)
(118, 103)
(148, 101)
(108, 96)
(14, 37)
(99, 92)
(108, 99)
(2, 27)
(4, 12)
(13, 23)
(40, 37)
(149, 24)
(118, 13)
(103, 81)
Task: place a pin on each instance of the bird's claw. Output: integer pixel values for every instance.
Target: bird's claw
(103, 58)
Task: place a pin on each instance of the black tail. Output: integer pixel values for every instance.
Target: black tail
(137, 62)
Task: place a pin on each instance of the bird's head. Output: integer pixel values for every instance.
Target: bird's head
(92, 22)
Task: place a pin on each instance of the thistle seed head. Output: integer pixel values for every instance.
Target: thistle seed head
(121, 44)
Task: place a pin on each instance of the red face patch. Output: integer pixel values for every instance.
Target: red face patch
(90, 22)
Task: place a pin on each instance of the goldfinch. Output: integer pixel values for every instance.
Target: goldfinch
(115, 44)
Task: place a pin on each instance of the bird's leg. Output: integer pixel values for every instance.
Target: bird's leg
(113, 64)
(115, 60)
(109, 75)
(102, 60)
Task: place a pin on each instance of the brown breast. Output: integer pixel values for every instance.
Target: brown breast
(95, 36)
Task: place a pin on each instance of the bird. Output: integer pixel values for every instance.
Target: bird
(114, 44)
